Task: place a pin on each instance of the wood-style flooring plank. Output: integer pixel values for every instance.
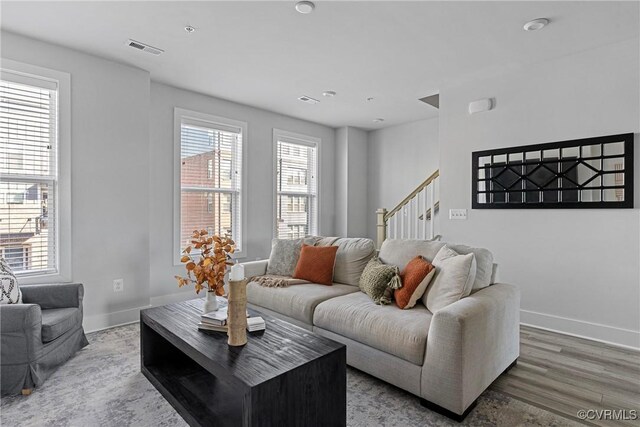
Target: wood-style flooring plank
(565, 374)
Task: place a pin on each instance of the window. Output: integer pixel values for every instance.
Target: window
(296, 197)
(209, 152)
(17, 257)
(30, 185)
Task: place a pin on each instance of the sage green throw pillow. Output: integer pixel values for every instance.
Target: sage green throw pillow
(378, 280)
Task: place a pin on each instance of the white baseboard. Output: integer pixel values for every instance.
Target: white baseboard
(618, 337)
(98, 322)
(171, 298)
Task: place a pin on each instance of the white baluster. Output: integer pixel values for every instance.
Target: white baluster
(433, 209)
(416, 214)
(424, 213)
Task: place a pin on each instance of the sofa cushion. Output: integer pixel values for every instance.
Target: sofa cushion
(400, 251)
(9, 290)
(416, 276)
(296, 301)
(57, 321)
(455, 275)
(484, 264)
(316, 264)
(284, 255)
(402, 333)
(353, 255)
(378, 281)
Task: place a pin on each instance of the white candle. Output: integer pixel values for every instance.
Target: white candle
(237, 273)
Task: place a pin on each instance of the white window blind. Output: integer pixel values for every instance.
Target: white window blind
(296, 188)
(29, 174)
(210, 179)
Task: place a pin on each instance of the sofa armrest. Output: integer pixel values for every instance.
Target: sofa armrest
(20, 333)
(62, 295)
(255, 268)
(470, 343)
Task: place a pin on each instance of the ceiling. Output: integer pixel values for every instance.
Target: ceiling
(265, 54)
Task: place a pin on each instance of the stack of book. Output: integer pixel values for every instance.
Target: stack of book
(217, 321)
(214, 321)
(255, 324)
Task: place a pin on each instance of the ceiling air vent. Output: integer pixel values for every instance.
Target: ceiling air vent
(144, 47)
(308, 99)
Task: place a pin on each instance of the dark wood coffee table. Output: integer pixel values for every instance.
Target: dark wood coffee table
(284, 376)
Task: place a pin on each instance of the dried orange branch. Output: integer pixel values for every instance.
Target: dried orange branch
(210, 268)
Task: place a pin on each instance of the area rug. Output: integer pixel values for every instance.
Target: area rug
(102, 386)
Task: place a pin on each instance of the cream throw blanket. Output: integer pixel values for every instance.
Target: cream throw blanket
(274, 281)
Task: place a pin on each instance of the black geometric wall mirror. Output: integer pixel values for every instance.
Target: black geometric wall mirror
(581, 173)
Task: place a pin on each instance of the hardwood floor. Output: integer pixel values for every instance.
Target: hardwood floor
(565, 374)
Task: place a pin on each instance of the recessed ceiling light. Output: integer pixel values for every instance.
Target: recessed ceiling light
(378, 120)
(329, 93)
(189, 29)
(536, 24)
(305, 7)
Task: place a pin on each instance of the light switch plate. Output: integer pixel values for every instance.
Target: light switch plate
(457, 214)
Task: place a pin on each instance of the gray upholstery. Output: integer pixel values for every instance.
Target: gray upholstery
(484, 264)
(296, 301)
(399, 252)
(351, 258)
(39, 335)
(385, 366)
(255, 268)
(57, 321)
(448, 358)
(402, 333)
(470, 343)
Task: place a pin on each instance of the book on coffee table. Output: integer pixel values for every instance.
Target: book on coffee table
(255, 324)
(216, 318)
(208, 327)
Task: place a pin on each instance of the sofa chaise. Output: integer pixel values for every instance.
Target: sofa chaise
(447, 358)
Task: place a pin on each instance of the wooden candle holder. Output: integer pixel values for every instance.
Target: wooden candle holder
(237, 313)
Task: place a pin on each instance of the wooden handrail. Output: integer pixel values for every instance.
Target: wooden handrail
(412, 194)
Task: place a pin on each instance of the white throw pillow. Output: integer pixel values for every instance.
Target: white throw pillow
(9, 290)
(454, 279)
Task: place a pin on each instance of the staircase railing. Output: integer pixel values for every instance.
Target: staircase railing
(415, 216)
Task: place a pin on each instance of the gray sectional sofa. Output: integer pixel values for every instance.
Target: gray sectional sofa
(447, 358)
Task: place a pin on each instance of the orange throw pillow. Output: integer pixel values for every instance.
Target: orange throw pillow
(415, 279)
(316, 264)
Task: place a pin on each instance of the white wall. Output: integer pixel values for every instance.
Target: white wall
(342, 181)
(122, 172)
(578, 269)
(400, 158)
(351, 182)
(109, 175)
(358, 154)
(259, 185)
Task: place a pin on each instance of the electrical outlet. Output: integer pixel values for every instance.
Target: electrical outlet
(457, 214)
(118, 285)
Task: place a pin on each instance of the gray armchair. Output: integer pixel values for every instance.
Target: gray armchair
(39, 335)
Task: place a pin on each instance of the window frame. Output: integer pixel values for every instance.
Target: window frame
(63, 217)
(178, 115)
(296, 138)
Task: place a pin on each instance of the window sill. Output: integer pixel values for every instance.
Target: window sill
(39, 279)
